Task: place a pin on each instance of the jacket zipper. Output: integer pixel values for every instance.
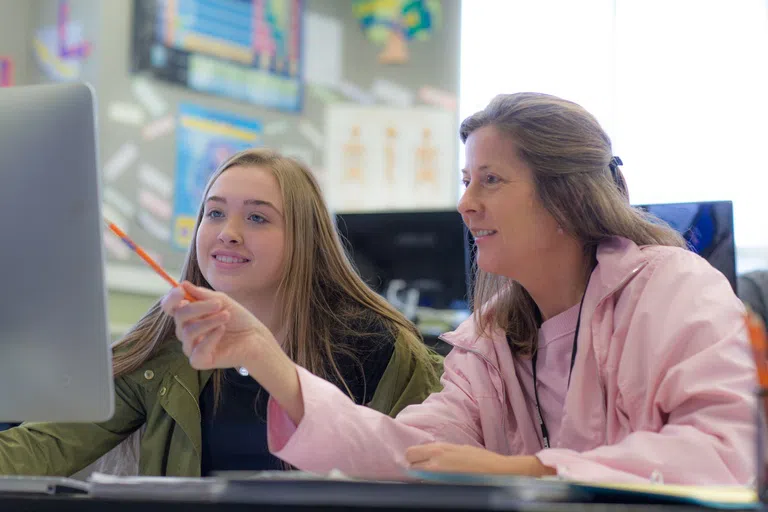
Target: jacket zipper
(621, 284)
(503, 387)
(613, 291)
(498, 372)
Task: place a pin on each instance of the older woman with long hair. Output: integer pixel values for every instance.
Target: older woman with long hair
(600, 347)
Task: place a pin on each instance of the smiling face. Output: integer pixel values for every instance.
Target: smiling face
(500, 206)
(240, 242)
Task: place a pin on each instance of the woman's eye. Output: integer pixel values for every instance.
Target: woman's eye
(258, 219)
(465, 182)
(491, 179)
(214, 214)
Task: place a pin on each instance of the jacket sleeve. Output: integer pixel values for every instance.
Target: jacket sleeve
(695, 381)
(62, 449)
(337, 434)
(406, 380)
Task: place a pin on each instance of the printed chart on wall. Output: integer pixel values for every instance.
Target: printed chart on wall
(205, 138)
(383, 158)
(247, 50)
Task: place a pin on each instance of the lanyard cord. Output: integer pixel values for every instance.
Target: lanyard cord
(540, 417)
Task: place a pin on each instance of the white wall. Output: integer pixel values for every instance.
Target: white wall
(681, 86)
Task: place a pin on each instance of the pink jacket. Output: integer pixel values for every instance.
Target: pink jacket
(662, 385)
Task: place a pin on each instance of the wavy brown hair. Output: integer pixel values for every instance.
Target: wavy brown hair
(569, 155)
(321, 295)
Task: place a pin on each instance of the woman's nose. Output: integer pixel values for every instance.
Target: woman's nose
(468, 203)
(230, 235)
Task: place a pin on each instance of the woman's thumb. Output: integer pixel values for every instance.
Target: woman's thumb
(196, 292)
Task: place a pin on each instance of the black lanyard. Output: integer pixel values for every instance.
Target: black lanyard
(544, 431)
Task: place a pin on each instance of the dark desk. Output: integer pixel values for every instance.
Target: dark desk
(313, 496)
(58, 504)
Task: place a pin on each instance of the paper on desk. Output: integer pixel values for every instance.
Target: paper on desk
(156, 487)
(201, 489)
(334, 474)
(103, 478)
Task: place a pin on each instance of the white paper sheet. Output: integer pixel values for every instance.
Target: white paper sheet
(147, 94)
(322, 49)
(155, 180)
(119, 162)
(159, 127)
(125, 113)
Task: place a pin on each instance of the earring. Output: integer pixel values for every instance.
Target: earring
(560, 230)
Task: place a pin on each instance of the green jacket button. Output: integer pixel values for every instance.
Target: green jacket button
(149, 374)
(163, 391)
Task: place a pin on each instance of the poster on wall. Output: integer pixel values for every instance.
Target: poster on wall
(204, 139)
(385, 158)
(393, 24)
(246, 50)
(61, 49)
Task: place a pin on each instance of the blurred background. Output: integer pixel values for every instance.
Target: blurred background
(369, 93)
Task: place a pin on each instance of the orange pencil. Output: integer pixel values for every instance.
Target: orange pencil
(757, 339)
(146, 257)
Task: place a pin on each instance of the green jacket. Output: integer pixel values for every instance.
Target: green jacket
(164, 394)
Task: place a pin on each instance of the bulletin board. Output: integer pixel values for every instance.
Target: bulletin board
(374, 114)
(246, 50)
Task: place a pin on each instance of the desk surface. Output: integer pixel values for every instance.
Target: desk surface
(88, 504)
(311, 496)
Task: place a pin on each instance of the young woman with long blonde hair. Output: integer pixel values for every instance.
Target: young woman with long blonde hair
(264, 238)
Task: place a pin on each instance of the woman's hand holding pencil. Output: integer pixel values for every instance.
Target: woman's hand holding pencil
(217, 332)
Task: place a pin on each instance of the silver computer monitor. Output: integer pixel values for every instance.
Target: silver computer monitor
(55, 361)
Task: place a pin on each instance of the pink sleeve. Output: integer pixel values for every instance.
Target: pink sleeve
(337, 434)
(686, 363)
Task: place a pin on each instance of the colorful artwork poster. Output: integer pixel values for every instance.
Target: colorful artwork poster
(61, 49)
(204, 140)
(392, 24)
(247, 50)
(380, 158)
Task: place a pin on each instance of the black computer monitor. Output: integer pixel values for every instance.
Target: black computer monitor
(415, 259)
(422, 261)
(707, 227)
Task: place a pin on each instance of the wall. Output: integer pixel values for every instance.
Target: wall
(15, 24)
(388, 90)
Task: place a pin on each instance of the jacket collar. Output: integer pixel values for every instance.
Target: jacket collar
(618, 261)
(195, 380)
(188, 384)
